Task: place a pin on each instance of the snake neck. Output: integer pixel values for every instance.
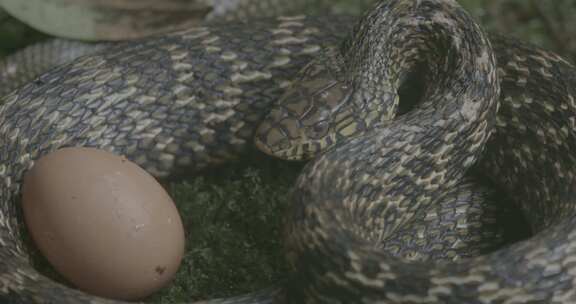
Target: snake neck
(360, 192)
(400, 36)
(347, 92)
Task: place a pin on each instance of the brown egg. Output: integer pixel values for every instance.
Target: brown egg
(103, 222)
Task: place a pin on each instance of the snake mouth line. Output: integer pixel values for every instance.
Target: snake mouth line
(262, 146)
(286, 154)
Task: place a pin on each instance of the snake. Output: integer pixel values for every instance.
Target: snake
(197, 97)
(359, 193)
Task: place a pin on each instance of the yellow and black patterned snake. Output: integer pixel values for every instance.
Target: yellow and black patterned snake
(194, 98)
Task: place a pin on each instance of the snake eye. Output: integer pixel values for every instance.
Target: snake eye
(318, 130)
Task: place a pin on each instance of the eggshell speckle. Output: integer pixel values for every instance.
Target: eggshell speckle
(103, 222)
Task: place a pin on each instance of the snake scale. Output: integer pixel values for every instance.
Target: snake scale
(195, 98)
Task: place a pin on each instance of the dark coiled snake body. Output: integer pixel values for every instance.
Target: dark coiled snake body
(194, 98)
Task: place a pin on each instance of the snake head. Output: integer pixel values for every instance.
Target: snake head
(312, 116)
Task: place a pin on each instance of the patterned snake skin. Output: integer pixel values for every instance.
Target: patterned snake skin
(194, 98)
(23, 66)
(362, 192)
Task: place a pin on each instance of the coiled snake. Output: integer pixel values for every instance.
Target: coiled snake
(194, 98)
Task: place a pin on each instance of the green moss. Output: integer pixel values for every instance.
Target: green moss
(232, 218)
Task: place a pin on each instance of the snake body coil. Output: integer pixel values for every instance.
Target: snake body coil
(359, 193)
(193, 99)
